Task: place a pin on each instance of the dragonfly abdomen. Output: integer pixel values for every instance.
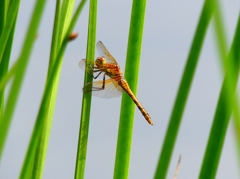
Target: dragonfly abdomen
(123, 83)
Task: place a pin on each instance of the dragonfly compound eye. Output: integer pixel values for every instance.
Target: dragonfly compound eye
(101, 61)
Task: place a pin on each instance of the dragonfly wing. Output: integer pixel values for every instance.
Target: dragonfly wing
(89, 66)
(102, 50)
(86, 65)
(111, 90)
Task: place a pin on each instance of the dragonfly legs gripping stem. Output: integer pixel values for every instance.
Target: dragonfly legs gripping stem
(94, 71)
(97, 88)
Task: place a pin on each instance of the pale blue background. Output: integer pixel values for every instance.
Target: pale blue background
(169, 29)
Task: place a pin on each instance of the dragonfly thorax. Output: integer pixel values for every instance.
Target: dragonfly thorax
(111, 69)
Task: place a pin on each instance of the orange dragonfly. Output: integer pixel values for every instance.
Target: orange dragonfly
(106, 65)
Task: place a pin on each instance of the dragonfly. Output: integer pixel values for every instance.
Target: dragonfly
(113, 83)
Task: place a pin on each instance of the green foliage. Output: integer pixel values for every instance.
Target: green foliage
(5, 50)
(183, 91)
(131, 74)
(41, 130)
(86, 101)
(62, 28)
(227, 99)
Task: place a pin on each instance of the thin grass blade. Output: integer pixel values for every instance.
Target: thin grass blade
(5, 119)
(46, 98)
(86, 100)
(228, 68)
(7, 51)
(3, 14)
(11, 18)
(227, 99)
(40, 155)
(131, 74)
(183, 91)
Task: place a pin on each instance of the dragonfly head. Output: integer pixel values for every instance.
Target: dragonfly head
(100, 61)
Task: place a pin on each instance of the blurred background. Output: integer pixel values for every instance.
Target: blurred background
(169, 29)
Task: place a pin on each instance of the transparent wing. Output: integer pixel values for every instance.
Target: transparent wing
(111, 90)
(102, 50)
(89, 66)
(86, 65)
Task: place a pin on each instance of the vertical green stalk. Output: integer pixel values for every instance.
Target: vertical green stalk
(6, 56)
(55, 46)
(183, 90)
(226, 100)
(62, 25)
(5, 119)
(3, 14)
(9, 23)
(47, 97)
(86, 101)
(4, 64)
(228, 67)
(131, 74)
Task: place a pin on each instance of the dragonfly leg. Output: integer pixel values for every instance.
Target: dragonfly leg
(95, 77)
(94, 70)
(86, 90)
(103, 85)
